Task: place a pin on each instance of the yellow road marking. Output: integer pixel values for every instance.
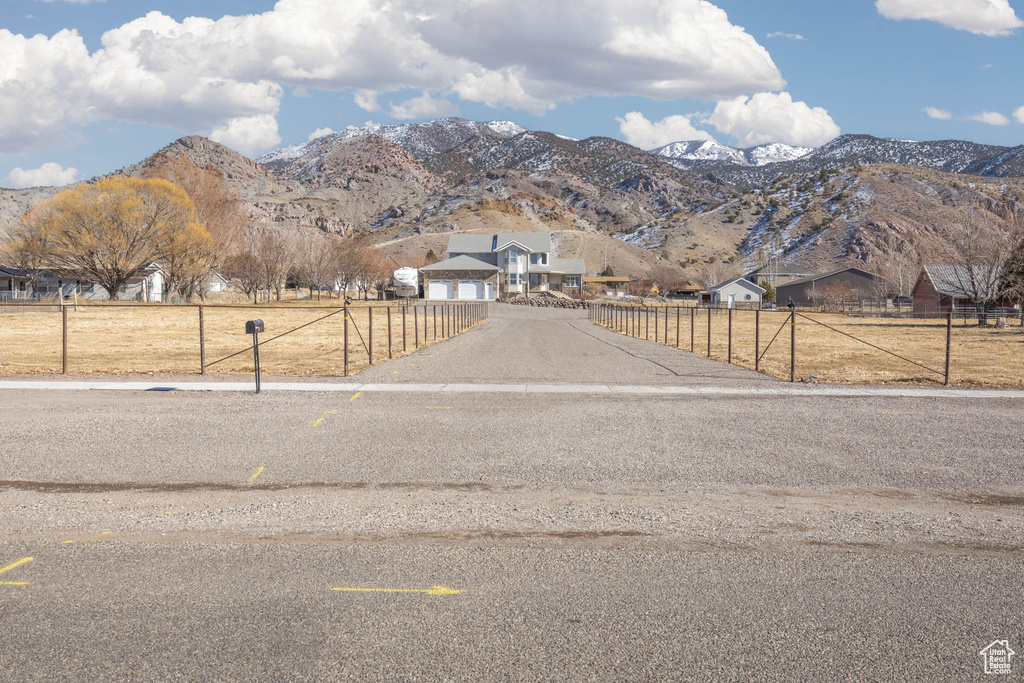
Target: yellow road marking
(67, 542)
(330, 412)
(319, 421)
(436, 590)
(256, 474)
(356, 396)
(172, 512)
(15, 565)
(106, 533)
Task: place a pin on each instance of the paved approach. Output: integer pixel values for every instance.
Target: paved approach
(510, 536)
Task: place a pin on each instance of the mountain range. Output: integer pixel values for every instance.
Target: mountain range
(408, 186)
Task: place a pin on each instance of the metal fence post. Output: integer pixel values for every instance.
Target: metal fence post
(416, 326)
(435, 322)
(757, 340)
(677, 327)
(709, 332)
(369, 345)
(390, 352)
(792, 346)
(692, 325)
(202, 343)
(949, 343)
(730, 337)
(405, 334)
(64, 338)
(345, 352)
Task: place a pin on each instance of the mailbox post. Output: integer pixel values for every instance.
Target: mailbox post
(254, 327)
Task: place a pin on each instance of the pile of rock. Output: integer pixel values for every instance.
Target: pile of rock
(544, 300)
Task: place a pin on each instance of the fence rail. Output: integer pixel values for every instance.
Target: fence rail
(166, 338)
(832, 347)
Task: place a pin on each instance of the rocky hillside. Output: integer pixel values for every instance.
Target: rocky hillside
(410, 185)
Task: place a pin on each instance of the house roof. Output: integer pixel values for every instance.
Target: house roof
(821, 276)
(561, 266)
(956, 280)
(742, 281)
(491, 242)
(461, 263)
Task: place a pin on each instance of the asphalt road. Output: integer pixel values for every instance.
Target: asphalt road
(199, 536)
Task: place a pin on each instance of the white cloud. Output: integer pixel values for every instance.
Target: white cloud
(423, 107)
(940, 114)
(320, 133)
(366, 100)
(773, 117)
(983, 17)
(248, 134)
(203, 75)
(640, 132)
(992, 118)
(790, 36)
(47, 175)
(1019, 114)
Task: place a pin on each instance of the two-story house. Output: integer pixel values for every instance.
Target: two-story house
(489, 265)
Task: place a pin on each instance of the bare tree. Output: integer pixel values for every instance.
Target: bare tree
(714, 273)
(315, 262)
(274, 251)
(832, 296)
(979, 246)
(896, 263)
(349, 261)
(245, 268)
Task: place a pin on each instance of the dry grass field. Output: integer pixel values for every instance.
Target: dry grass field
(134, 339)
(980, 356)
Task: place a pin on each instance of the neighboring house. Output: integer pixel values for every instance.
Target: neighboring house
(607, 285)
(15, 283)
(948, 289)
(777, 276)
(859, 284)
(524, 262)
(216, 283)
(732, 293)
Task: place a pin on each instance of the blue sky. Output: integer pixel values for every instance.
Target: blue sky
(647, 71)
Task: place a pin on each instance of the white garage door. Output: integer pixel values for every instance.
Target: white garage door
(471, 289)
(441, 289)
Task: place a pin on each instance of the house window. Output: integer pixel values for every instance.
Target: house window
(513, 279)
(748, 297)
(539, 259)
(572, 280)
(513, 256)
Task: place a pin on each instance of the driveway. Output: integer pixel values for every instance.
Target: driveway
(520, 344)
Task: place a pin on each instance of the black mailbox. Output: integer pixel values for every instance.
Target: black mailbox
(254, 327)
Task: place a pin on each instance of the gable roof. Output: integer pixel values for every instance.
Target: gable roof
(486, 243)
(742, 281)
(561, 266)
(955, 280)
(821, 276)
(461, 263)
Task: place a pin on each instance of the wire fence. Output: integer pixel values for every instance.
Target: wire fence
(210, 339)
(830, 347)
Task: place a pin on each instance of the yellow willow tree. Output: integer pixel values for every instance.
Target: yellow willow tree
(108, 231)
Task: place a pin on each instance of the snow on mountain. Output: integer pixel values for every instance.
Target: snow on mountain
(419, 139)
(703, 152)
(774, 152)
